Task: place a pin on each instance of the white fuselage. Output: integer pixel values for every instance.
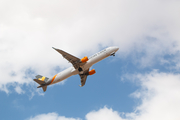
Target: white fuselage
(92, 60)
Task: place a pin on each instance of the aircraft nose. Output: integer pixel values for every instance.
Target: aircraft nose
(116, 48)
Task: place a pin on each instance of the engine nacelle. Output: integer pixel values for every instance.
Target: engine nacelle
(92, 72)
(84, 59)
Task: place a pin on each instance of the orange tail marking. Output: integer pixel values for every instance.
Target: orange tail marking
(53, 78)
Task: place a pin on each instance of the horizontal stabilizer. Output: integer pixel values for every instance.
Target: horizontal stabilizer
(39, 81)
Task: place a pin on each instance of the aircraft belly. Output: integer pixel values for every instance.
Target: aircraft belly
(97, 59)
(65, 74)
(71, 71)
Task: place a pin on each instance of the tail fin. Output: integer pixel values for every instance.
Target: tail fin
(44, 88)
(41, 80)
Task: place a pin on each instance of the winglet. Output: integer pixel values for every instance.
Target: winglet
(54, 48)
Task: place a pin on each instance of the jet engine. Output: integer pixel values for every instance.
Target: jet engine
(84, 59)
(91, 72)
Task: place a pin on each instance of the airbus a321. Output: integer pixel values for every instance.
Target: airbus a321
(80, 66)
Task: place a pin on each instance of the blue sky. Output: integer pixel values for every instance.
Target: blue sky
(141, 82)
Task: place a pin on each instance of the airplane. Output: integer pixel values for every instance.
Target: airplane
(80, 66)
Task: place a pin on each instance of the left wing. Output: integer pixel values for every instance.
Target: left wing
(72, 59)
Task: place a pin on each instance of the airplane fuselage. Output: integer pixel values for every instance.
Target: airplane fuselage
(80, 66)
(92, 60)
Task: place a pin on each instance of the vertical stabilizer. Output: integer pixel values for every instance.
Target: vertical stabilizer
(42, 78)
(44, 88)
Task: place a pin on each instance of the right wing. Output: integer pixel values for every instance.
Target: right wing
(72, 59)
(83, 78)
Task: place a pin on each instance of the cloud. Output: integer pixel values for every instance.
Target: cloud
(51, 116)
(104, 114)
(159, 96)
(30, 28)
(19, 90)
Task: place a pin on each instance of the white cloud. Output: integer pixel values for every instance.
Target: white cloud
(103, 114)
(160, 97)
(51, 116)
(28, 30)
(19, 90)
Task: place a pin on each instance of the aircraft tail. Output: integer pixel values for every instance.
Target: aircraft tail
(44, 88)
(41, 80)
(41, 83)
